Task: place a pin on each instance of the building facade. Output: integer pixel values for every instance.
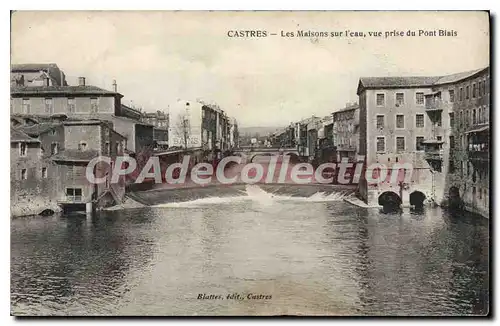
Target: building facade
(346, 132)
(37, 74)
(31, 176)
(470, 142)
(411, 120)
(83, 141)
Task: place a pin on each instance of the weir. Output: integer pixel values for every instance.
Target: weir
(278, 192)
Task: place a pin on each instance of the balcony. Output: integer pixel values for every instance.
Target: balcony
(433, 155)
(479, 155)
(433, 149)
(346, 148)
(479, 128)
(435, 104)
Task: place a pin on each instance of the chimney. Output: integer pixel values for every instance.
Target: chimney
(115, 88)
(81, 81)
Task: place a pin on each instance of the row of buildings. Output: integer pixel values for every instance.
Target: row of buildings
(438, 124)
(322, 139)
(57, 128)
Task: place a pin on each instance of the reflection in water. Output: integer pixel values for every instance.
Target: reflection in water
(313, 256)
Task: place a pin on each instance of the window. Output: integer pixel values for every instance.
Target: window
(380, 121)
(24, 174)
(419, 98)
(117, 147)
(400, 121)
(380, 99)
(419, 144)
(474, 90)
(439, 138)
(380, 144)
(400, 144)
(452, 95)
(49, 108)
(94, 107)
(71, 105)
(481, 86)
(452, 142)
(400, 99)
(22, 149)
(44, 173)
(54, 148)
(467, 92)
(74, 194)
(419, 122)
(26, 106)
(474, 117)
(439, 120)
(461, 94)
(452, 166)
(82, 146)
(452, 119)
(108, 148)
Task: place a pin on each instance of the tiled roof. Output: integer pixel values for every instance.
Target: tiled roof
(32, 66)
(128, 108)
(60, 90)
(459, 76)
(308, 120)
(381, 82)
(415, 81)
(19, 136)
(85, 122)
(349, 108)
(37, 129)
(74, 155)
(130, 120)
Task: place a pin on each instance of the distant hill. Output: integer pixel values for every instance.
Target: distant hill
(260, 131)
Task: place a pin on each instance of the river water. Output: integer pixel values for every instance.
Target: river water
(262, 253)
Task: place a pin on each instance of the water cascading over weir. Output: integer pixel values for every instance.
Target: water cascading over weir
(240, 191)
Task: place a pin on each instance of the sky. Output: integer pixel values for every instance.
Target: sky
(159, 57)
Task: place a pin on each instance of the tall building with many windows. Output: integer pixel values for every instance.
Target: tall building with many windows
(412, 120)
(470, 153)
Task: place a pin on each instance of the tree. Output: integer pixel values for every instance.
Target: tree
(183, 129)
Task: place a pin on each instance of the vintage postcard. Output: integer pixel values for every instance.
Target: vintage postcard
(250, 163)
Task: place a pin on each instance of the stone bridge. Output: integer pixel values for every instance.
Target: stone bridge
(251, 152)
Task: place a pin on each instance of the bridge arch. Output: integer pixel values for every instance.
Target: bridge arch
(454, 192)
(294, 157)
(417, 199)
(261, 154)
(389, 199)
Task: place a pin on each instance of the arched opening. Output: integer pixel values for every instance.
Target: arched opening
(47, 212)
(417, 199)
(454, 192)
(294, 158)
(454, 201)
(389, 201)
(261, 157)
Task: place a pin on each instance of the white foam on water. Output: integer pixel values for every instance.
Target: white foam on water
(204, 201)
(257, 194)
